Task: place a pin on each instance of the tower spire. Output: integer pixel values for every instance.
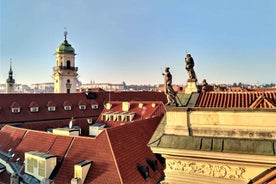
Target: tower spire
(65, 33)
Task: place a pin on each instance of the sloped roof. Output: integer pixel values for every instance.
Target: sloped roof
(111, 152)
(24, 100)
(237, 99)
(130, 149)
(103, 169)
(11, 137)
(145, 111)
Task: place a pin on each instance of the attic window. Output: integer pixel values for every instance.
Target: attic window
(67, 108)
(153, 164)
(51, 106)
(82, 107)
(15, 110)
(104, 117)
(94, 104)
(52, 109)
(144, 171)
(34, 109)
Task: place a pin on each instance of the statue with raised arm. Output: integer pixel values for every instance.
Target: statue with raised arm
(168, 89)
(190, 67)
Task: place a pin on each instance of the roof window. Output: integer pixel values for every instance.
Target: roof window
(34, 107)
(144, 171)
(153, 164)
(51, 106)
(15, 108)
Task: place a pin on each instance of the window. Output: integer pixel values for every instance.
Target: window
(105, 117)
(82, 107)
(51, 108)
(68, 64)
(67, 108)
(34, 109)
(15, 110)
(30, 165)
(41, 168)
(94, 106)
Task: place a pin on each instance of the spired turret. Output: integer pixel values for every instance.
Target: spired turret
(10, 83)
(65, 72)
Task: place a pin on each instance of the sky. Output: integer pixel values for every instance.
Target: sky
(134, 40)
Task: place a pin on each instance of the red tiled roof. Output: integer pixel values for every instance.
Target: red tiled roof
(33, 104)
(267, 177)
(130, 149)
(24, 100)
(66, 103)
(146, 111)
(15, 105)
(237, 100)
(10, 137)
(34, 141)
(103, 169)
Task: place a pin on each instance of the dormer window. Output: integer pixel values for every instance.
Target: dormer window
(52, 109)
(105, 117)
(82, 107)
(51, 106)
(94, 104)
(15, 108)
(34, 107)
(67, 106)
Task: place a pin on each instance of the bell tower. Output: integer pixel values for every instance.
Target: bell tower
(10, 83)
(65, 72)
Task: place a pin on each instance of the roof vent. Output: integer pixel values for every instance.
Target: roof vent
(140, 105)
(144, 171)
(153, 105)
(153, 164)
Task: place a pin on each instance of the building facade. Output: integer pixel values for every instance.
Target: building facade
(65, 72)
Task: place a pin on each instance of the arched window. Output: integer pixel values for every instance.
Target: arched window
(68, 64)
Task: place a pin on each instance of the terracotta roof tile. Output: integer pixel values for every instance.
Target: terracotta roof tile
(131, 148)
(237, 100)
(33, 104)
(103, 169)
(24, 100)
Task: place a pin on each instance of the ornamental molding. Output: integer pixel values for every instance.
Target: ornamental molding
(206, 169)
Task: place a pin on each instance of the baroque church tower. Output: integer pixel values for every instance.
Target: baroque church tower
(10, 83)
(65, 72)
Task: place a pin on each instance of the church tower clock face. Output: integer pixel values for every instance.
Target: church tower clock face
(65, 71)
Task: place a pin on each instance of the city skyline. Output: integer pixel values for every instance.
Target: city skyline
(133, 41)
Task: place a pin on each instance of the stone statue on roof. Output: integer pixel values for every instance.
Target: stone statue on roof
(190, 67)
(168, 89)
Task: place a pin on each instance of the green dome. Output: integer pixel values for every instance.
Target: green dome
(65, 47)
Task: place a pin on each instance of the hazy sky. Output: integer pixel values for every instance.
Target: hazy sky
(133, 40)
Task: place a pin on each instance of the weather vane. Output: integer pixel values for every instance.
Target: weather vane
(65, 33)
